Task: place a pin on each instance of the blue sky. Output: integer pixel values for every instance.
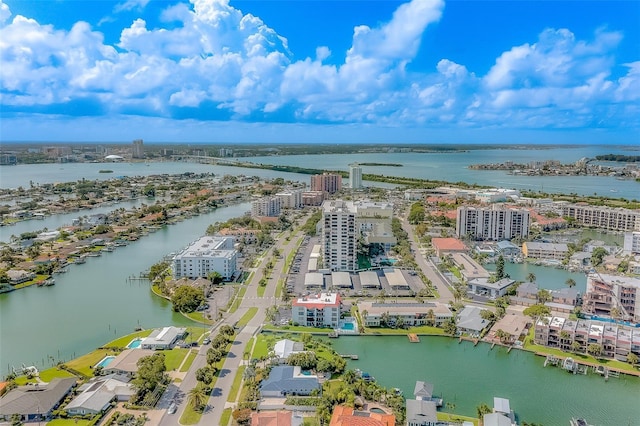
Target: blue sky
(430, 71)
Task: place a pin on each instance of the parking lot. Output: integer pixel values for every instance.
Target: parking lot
(296, 287)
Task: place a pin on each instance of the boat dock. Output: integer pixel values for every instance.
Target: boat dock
(352, 356)
(413, 338)
(584, 367)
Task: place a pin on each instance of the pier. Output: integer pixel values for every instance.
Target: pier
(413, 338)
(583, 367)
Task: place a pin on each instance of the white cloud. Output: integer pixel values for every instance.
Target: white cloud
(131, 5)
(212, 54)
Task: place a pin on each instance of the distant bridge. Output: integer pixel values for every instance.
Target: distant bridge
(204, 159)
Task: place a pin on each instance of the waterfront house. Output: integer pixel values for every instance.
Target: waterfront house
(96, 395)
(347, 416)
(164, 338)
(421, 413)
(276, 418)
(19, 276)
(513, 325)
(444, 246)
(126, 363)
(470, 321)
(35, 402)
(285, 347)
(423, 390)
(412, 314)
(483, 287)
(544, 251)
(288, 380)
(495, 419)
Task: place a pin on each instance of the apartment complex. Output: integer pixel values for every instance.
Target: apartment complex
(266, 206)
(313, 198)
(612, 219)
(544, 251)
(205, 255)
(318, 310)
(411, 314)
(612, 295)
(291, 199)
(492, 223)
(345, 222)
(632, 242)
(355, 176)
(138, 149)
(615, 341)
(326, 182)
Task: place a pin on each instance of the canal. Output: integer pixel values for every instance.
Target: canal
(468, 375)
(94, 302)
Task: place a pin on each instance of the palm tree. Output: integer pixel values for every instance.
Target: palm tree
(570, 282)
(531, 277)
(575, 346)
(482, 409)
(198, 397)
(632, 358)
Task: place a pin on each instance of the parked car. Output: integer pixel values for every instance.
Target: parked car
(172, 408)
(206, 341)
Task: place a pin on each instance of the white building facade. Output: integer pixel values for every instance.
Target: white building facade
(355, 176)
(291, 199)
(266, 206)
(632, 243)
(321, 310)
(205, 255)
(495, 223)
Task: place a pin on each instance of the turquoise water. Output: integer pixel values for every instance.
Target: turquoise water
(134, 344)
(105, 361)
(469, 375)
(348, 326)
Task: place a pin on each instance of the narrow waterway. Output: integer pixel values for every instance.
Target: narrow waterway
(468, 375)
(94, 302)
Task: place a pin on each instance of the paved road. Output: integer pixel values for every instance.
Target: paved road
(427, 267)
(218, 399)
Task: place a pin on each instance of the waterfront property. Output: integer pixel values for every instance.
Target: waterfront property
(603, 217)
(492, 223)
(562, 300)
(347, 416)
(35, 402)
(612, 296)
(544, 251)
(444, 246)
(126, 363)
(96, 395)
(164, 338)
(285, 347)
(409, 314)
(484, 287)
(319, 310)
(206, 255)
(613, 340)
(470, 321)
(288, 380)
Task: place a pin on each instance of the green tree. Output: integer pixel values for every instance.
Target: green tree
(570, 282)
(215, 277)
(537, 311)
(213, 355)
(187, 299)
(450, 327)
(482, 409)
(205, 375)
(575, 346)
(531, 277)
(594, 349)
(151, 373)
(543, 296)
(632, 358)
(597, 256)
(197, 397)
(500, 268)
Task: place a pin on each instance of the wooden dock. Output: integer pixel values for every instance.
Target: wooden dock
(584, 366)
(413, 338)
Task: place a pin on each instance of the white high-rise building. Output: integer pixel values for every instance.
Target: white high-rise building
(205, 255)
(632, 242)
(492, 223)
(345, 222)
(138, 149)
(266, 206)
(291, 199)
(355, 176)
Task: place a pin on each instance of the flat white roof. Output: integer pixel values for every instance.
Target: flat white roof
(369, 279)
(395, 278)
(313, 279)
(341, 279)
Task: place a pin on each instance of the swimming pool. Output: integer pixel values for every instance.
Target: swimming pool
(135, 343)
(348, 326)
(105, 361)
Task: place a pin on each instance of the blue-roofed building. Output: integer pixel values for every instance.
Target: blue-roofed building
(288, 380)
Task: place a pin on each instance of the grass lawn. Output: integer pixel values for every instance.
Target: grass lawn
(83, 363)
(247, 317)
(261, 348)
(279, 287)
(310, 421)
(424, 329)
(261, 289)
(235, 387)
(190, 416)
(36, 280)
(45, 375)
(190, 358)
(226, 416)
(456, 418)
(174, 357)
(238, 300)
(123, 341)
(68, 422)
(197, 317)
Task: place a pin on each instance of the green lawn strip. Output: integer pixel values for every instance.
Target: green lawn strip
(187, 364)
(85, 363)
(238, 300)
(174, 357)
(36, 280)
(235, 386)
(44, 375)
(250, 277)
(619, 365)
(279, 287)
(226, 417)
(190, 416)
(197, 317)
(68, 422)
(456, 418)
(261, 289)
(423, 329)
(123, 341)
(296, 329)
(251, 312)
(261, 348)
(310, 421)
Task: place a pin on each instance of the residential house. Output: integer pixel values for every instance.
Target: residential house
(35, 402)
(126, 363)
(347, 416)
(409, 314)
(276, 418)
(483, 287)
(288, 380)
(421, 413)
(470, 321)
(19, 276)
(97, 395)
(164, 338)
(285, 347)
(444, 246)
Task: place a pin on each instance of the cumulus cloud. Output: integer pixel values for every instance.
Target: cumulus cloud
(131, 5)
(212, 61)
